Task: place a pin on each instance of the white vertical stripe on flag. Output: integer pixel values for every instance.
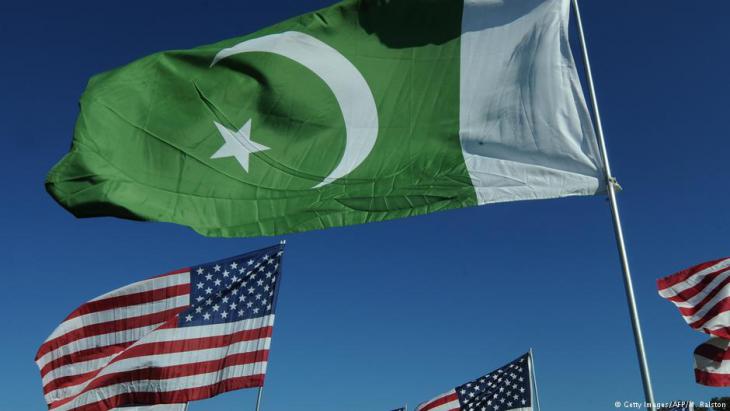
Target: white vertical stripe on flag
(524, 125)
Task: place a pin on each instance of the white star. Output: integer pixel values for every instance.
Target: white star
(217, 282)
(200, 271)
(216, 307)
(224, 314)
(206, 316)
(238, 144)
(217, 268)
(255, 310)
(249, 262)
(188, 318)
(240, 313)
(234, 265)
(208, 276)
(225, 273)
(199, 310)
(200, 285)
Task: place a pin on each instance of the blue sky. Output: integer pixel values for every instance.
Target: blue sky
(373, 316)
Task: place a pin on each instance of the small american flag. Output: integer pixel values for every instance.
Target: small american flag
(702, 295)
(506, 388)
(186, 335)
(712, 363)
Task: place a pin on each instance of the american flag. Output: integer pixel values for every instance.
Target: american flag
(186, 335)
(506, 388)
(712, 362)
(702, 295)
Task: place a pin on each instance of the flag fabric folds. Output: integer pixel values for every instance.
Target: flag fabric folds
(712, 362)
(702, 295)
(506, 388)
(164, 407)
(363, 111)
(186, 335)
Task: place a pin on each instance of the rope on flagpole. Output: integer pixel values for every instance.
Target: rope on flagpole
(534, 378)
(612, 186)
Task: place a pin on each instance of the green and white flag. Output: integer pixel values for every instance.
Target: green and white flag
(364, 111)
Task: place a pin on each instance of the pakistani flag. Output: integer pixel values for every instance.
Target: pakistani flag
(364, 111)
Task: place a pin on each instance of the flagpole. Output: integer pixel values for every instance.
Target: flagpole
(534, 379)
(612, 186)
(258, 398)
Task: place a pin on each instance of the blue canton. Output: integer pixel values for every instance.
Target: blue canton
(234, 289)
(506, 388)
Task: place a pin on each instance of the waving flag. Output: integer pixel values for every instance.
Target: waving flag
(712, 363)
(363, 111)
(185, 335)
(702, 295)
(506, 388)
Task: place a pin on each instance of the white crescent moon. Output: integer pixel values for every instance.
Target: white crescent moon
(346, 82)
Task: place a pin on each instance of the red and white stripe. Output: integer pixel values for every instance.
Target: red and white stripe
(702, 295)
(712, 363)
(448, 401)
(125, 347)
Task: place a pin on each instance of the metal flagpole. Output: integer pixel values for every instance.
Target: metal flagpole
(612, 186)
(534, 379)
(186, 406)
(258, 398)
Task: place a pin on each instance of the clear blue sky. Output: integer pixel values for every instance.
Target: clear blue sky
(373, 316)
